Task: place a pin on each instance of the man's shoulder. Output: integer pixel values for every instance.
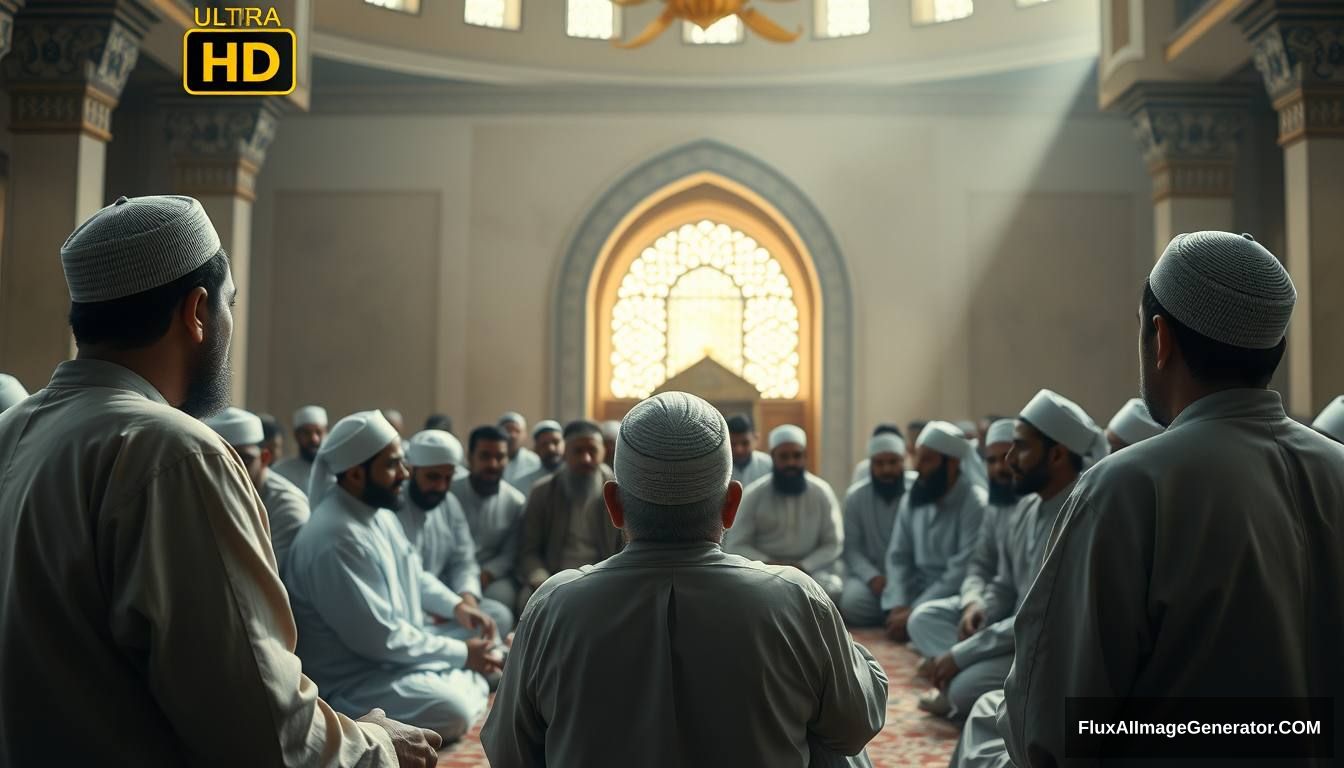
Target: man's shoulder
(277, 489)
(510, 494)
(817, 485)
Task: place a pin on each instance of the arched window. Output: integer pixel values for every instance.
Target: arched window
(497, 14)
(938, 11)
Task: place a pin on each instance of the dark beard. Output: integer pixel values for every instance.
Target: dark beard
(423, 500)
(1033, 479)
(208, 390)
(484, 487)
(743, 463)
(889, 490)
(378, 497)
(931, 488)
(309, 454)
(552, 463)
(1002, 494)
(789, 482)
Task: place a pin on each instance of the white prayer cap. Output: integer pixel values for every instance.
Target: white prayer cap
(1061, 420)
(787, 433)
(1000, 431)
(136, 244)
(1226, 287)
(886, 443)
(948, 439)
(11, 392)
(546, 425)
(310, 414)
(512, 416)
(1330, 422)
(432, 448)
(673, 449)
(354, 440)
(237, 427)
(1132, 424)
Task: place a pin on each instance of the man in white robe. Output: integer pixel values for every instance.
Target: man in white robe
(870, 515)
(1205, 562)
(11, 392)
(286, 505)
(861, 471)
(672, 652)
(522, 461)
(436, 525)
(310, 428)
(791, 517)
(155, 631)
(360, 595)
(1053, 441)
(494, 513)
(749, 464)
(548, 442)
(1330, 422)
(1130, 425)
(936, 526)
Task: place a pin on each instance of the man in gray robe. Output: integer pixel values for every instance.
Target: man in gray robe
(494, 513)
(522, 461)
(861, 472)
(548, 442)
(1205, 562)
(674, 653)
(1330, 422)
(436, 525)
(791, 517)
(310, 427)
(870, 515)
(936, 526)
(1130, 425)
(11, 392)
(360, 595)
(286, 506)
(749, 464)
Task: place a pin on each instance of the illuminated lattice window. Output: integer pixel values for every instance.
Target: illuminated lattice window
(725, 31)
(938, 11)
(841, 18)
(499, 14)
(405, 6)
(595, 19)
(704, 290)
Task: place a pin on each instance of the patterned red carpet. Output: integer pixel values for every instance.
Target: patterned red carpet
(911, 737)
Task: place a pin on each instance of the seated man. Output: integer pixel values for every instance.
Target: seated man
(749, 464)
(936, 525)
(494, 512)
(861, 470)
(791, 517)
(436, 526)
(615, 665)
(564, 524)
(870, 515)
(1131, 424)
(360, 596)
(310, 427)
(548, 443)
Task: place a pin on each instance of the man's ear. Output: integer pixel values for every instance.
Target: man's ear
(731, 502)
(1165, 341)
(196, 313)
(267, 457)
(611, 493)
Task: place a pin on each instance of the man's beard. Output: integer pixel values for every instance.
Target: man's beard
(1001, 494)
(378, 497)
(423, 500)
(1033, 480)
(582, 488)
(484, 486)
(742, 462)
(930, 488)
(309, 454)
(208, 389)
(552, 463)
(888, 490)
(790, 482)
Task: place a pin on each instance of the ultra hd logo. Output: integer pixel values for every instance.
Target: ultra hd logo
(238, 52)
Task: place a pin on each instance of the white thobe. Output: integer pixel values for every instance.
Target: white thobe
(930, 544)
(524, 484)
(496, 524)
(740, 664)
(869, 520)
(296, 470)
(360, 596)
(287, 511)
(139, 599)
(759, 465)
(443, 539)
(1207, 561)
(521, 465)
(807, 529)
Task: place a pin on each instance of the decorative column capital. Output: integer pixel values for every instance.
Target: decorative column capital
(218, 147)
(1190, 134)
(1298, 48)
(70, 62)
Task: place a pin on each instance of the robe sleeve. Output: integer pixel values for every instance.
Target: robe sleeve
(506, 554)
(286, 520)
(514, 734)
(993, 640)
(190, 551)
(531, 553)
(949, 581)
(832, 540)
(983, 562)
(1001, 591)
(1083, 629)
(853, 697)
(901, 581)
(462, 574)
(742, 536)
(860, 567)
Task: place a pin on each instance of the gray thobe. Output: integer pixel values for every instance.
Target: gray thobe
(522, 464)
(868, 523)
(443, 539)
(360, 597)
(740, 664)
(807, 529)
(141, 616)
(930, 544)
(524, 484)
(1207, 561)
(496, 524)
(759, 465)
(296, 470)
(287, 511)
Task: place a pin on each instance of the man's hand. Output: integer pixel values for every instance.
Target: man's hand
(482, 656)
(944, 669)
(474, 618)
(972, 620)
(415, 747)
(877, 584)
(470, 599)
(487, 578)
(896, 621)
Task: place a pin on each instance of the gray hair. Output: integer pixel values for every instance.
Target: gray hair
(697, 521)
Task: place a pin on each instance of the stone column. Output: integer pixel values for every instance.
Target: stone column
(67, 67)
(218, 147)
(1190, 134)
(1297, 49)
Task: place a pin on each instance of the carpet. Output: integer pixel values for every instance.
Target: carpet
(910, 739)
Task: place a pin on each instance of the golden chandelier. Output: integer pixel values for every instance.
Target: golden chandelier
(704, 13)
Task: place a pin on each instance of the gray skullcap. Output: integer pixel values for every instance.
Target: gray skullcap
(1331, 420)
(512, 416)
(310, 414)
(1226, 287)
(673, 449)
(546, 425)
(886, 443)
(11, 392)
(137, 244)
(1132, 424)
(433, 448)
(237, 427)
(1000, 431)
(1063, 421)
(787, 433)
(354, 440)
